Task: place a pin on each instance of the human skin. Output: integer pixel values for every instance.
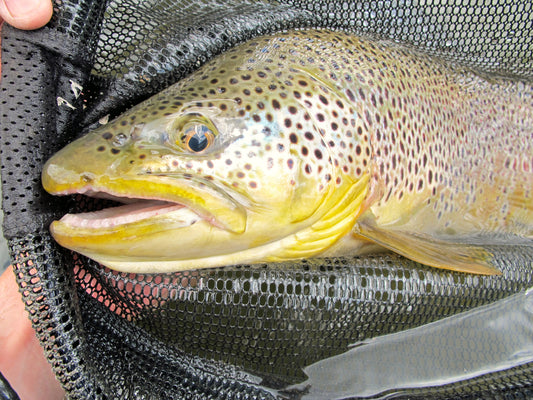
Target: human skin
(22, 360)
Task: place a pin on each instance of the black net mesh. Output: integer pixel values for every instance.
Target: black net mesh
(233, 332)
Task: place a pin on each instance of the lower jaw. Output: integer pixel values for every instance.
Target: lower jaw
(115, 217)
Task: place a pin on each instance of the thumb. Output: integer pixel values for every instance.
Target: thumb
(26, 14)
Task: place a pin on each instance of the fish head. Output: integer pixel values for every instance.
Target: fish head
(215, 173)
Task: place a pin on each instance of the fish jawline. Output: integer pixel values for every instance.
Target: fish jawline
(137, 210)
(247, 256)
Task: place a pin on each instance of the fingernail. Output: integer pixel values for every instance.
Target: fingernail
(21, 8)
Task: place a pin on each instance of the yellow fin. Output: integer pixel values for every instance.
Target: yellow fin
(437, 253)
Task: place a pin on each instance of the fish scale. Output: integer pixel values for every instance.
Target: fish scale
(308, 143)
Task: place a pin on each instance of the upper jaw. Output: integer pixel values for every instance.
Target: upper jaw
(210, 203)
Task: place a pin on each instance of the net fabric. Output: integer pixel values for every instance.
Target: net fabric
(275, 319)
(236, 332)
(491, 36)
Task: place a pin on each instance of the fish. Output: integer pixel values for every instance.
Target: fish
(307, 143)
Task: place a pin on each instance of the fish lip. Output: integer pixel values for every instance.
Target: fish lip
(113, 217)
(128, 196)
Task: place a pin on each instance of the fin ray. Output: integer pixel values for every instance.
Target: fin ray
(456, 256)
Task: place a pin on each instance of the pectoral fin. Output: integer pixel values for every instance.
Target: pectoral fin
(428, 250)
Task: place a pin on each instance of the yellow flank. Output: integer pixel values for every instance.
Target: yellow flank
(302, 144)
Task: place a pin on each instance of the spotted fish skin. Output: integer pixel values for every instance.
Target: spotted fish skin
(307, 143)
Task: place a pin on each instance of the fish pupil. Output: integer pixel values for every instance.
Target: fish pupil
(198, 138)
(198, 142)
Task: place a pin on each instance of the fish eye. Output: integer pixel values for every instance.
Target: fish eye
(193, 133)
(197, 137)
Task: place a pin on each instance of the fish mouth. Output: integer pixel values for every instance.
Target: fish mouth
(142, 202)
(133, 211)
(178, 223)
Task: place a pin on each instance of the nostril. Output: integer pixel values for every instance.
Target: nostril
(120, 140)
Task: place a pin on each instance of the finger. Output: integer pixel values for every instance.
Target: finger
(22, 359)
(26, 14)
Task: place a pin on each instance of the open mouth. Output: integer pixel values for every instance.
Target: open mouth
(127, 232)
(129, 213)
(184, 205)
(120, 211)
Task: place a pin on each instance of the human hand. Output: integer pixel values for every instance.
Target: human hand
(25, 14)
(22, 359)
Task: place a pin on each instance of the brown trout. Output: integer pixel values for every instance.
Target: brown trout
(301, 144)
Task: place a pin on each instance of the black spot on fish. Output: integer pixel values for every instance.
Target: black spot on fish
(368, 117)
(276, 104)
(107, 135)
(350, 95)
(100, 148)
(115, 151)
(293, 138)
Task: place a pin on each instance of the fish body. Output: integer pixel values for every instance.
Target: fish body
(301, 144)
